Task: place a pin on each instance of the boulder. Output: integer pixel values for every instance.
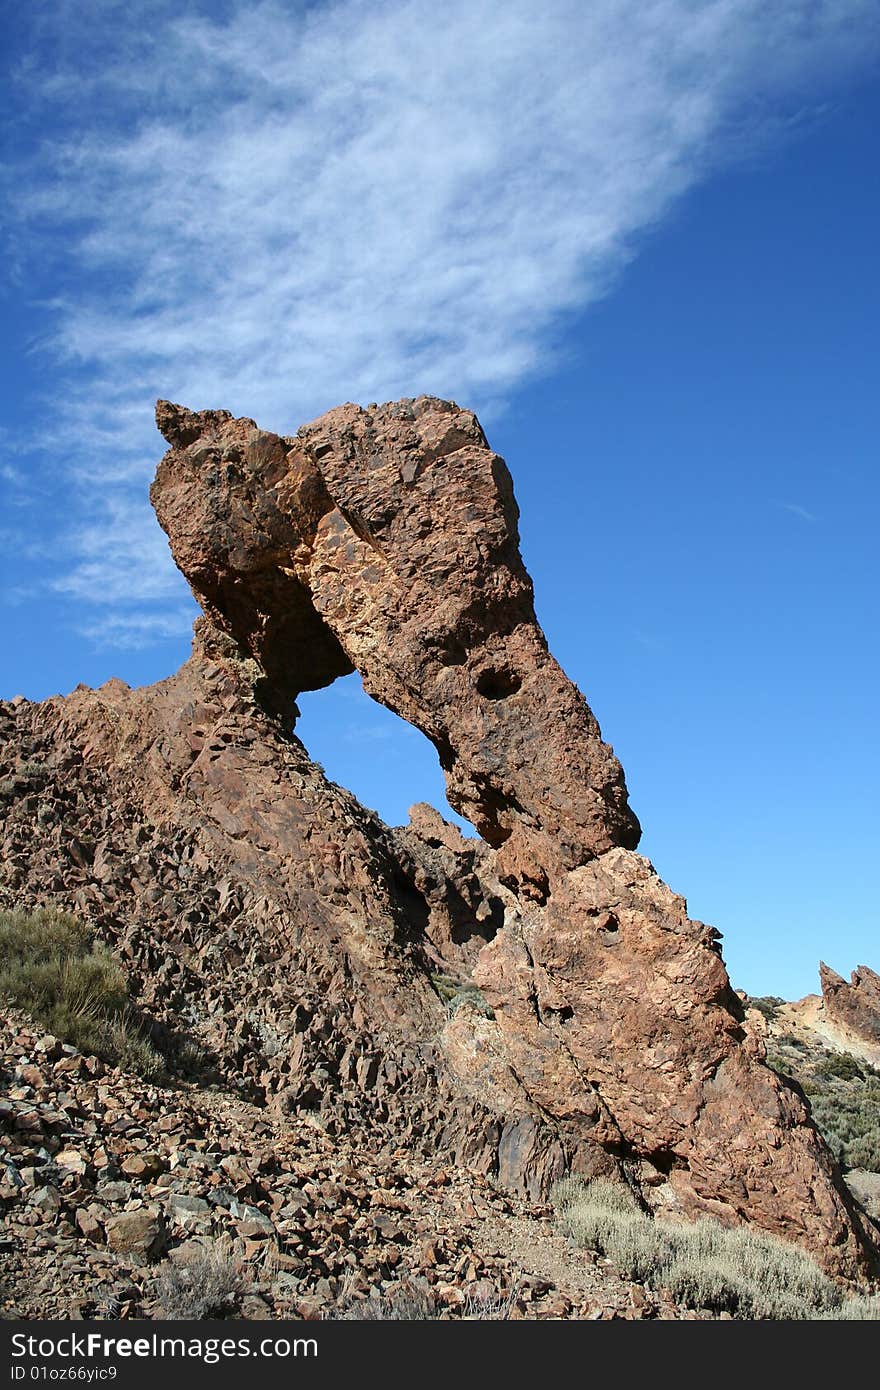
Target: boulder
(136, 1233)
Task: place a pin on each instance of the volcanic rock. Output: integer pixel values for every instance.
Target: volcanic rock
(530, 1004)
(855, 1006)
(387, 542)
(136, 1233)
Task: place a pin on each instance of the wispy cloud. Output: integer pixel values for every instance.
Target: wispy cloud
(24, 545)
(120, 558)
(366, 733)
(797, 510)
(133, 630)
(278, 208)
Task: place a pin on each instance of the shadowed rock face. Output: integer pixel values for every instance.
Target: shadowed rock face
(854, 1006)
(592, 1026)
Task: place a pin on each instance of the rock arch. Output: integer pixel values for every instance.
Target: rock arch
(385, 540)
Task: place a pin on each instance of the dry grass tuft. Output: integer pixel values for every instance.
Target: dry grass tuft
(703, 1265)
(207, 1284)
(71, 985)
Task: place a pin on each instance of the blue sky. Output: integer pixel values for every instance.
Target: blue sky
(639, 238)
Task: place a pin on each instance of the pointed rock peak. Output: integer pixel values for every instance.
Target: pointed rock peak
(829, 978)
(854, 1006)
(863, 974)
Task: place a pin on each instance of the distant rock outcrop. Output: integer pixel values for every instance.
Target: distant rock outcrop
(854, 1006)
(532, 1003)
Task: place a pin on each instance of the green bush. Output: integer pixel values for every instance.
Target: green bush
(844, 1096)
(703, 1265)
(842, 1066)
(71, 985)
(767, 1004)
(864, 1152)
(850, 1121)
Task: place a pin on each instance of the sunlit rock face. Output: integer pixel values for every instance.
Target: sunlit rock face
(532, 1003)
(387, 541)
(853, 1007)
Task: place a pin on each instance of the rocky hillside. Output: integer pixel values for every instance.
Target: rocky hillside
(827, 1045)
(516, 1008)
(117, 1192)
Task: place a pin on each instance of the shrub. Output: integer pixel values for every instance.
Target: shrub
(703, 1265)
(767, 1004)
(864, 1151)
(410, 1302)
(779, 1064)
(604, 1195)
(53, 969)
(606, 1217)
(492, 1308)
(844, 1096)
(842, 1066)
(207, 1284)
(455, 993)
(849, 1118)
(862, 1308)
(748, 1275)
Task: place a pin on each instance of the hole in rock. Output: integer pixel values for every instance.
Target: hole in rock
(498, 684)
(607, 925)
(388, 764)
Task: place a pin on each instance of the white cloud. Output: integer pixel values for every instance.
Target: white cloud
(133, 630)
(288, 207)
(797, 510)
(119, 559)
(377, 733)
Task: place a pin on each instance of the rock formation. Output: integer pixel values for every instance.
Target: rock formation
(387, 543)
(529, 1004)
(853, 1007)
(845, 1018)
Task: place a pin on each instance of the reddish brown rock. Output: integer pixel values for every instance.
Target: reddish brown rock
(387, 541)
(528, 1005)
(139, 1233)
(613, 1013)
(854, 1006)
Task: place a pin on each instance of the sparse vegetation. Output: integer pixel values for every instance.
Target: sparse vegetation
(767, 1004)
(496, 1308)
(457, 993)
(851, 1124)
(844, 1095)
(702, 1265)
(71, 985)
(862, 1308)
(410, 1302)
(841, 1066)
(207, 1284)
